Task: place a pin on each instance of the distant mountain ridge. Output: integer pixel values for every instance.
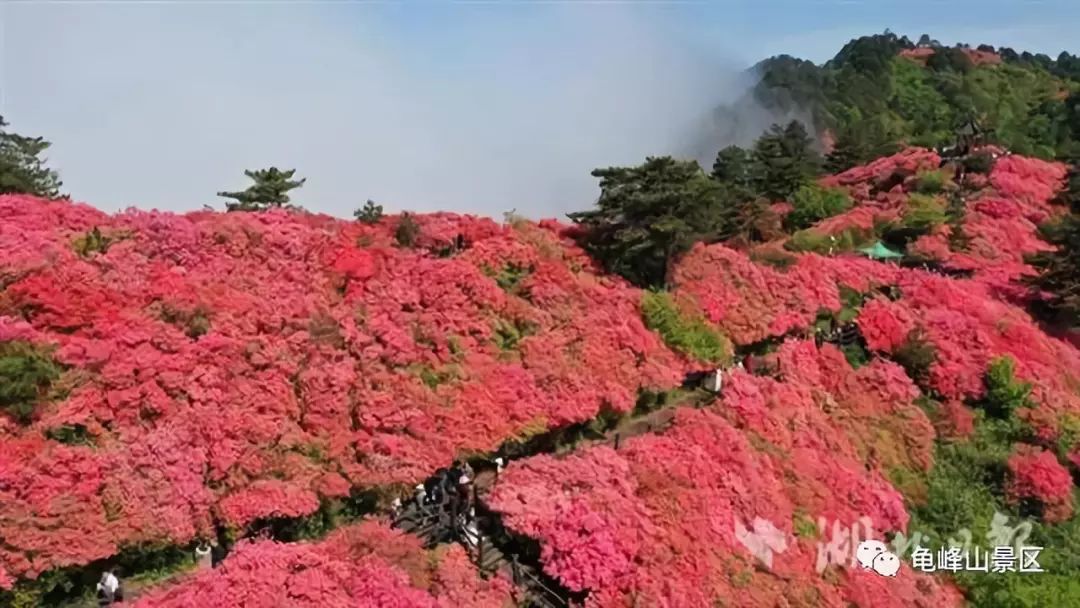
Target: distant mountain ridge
(884, 90)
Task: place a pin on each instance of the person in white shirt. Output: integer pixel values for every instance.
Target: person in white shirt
(109, 587)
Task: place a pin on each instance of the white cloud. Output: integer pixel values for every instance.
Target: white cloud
(162, 104)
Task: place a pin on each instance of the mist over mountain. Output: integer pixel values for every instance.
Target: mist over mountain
(360, 113)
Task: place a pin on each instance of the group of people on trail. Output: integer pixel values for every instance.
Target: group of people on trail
(449, 495)
(450, 492)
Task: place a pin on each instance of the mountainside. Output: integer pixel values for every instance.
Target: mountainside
(951, 405)
(704, 391)
(215, 369)
(883, 89)
(206, 374)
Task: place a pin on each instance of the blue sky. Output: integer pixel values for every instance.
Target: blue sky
(749, 31)
(477, 107)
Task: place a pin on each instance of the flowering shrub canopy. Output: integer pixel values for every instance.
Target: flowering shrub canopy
(1037, 474)
(365, 565)
(657, 519)
(210, 369)
(967, 322)
(233, 367)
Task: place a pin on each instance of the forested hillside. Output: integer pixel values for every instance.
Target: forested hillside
(881, 91)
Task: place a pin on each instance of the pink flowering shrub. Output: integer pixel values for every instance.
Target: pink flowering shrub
(657, 521)
(1037, 474)
(751, 301)
(234, 367)
(1029, 180)
(884, 324)
(908, 162)
(967, 323)
(365, 565)
(221, 369)
(267, 498)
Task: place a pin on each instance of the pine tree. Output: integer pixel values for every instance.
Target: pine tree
(22, 171)
(859, 142)
(650, 214)
(370, 213)
(269, 190)
(732, 166)
(1060, 270)
(846, 153)
(784, 160)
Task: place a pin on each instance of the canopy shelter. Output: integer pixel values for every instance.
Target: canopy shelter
(878, 251)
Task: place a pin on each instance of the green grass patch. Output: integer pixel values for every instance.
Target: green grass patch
(689, 335)
(856, 355)
(803, 526)
(1004, 393)
(812, 241)
(27, 373)
(70, 434)
(924, 212)
(508, 333)
(813, 203)
(510, 276)
(95, 241)
(930, 182)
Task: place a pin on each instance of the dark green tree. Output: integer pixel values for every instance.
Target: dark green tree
(270, 189)
(648, 215)
(950, 59)
(407, 230)
(1059, 271)
(812, 203)
(733, 167)
(784, 160)
(1008, 55)
(870, 54)
(848, 151)
(370, 213)
(1071, 118)
(22, 169)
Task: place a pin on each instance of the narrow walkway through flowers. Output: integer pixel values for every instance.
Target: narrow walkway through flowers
(449, 506)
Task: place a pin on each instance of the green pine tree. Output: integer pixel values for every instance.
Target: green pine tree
(732, 166)
(370, 213)
(784, 160)
(648, 215)
(1059, 273)
(22, 170)
(847, 152)
(270, 189)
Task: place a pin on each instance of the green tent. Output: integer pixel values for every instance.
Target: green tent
(879, 251)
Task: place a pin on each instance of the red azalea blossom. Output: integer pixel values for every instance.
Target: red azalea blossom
(366, 565)
(1037, 474)
(249, 365)
(227, 368)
